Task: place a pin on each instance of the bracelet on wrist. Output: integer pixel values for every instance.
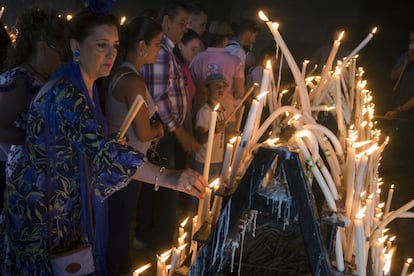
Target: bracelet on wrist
(156, 184)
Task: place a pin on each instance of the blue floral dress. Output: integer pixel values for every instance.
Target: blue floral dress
(43, 205)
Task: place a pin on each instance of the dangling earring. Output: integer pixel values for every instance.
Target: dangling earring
(76, 56)
(143, 54)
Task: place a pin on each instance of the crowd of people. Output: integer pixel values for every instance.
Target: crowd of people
(71, 84)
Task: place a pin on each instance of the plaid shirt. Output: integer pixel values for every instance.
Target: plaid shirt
(165, 83)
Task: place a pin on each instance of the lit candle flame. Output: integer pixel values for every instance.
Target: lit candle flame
(388, 259)
(166, 254)
(69, 17)
(374, 30)
(409, 260)
(216, 107)
(261, 95)
(183, 236)
(182, 247)
(123, 19)
(143, 268)
(263, 16)
(184, 222)
(341, 35)
(233, 140)
(215, 183)
(268, 64)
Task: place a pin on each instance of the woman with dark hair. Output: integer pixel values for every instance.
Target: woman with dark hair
(140, 43)
(36, 54)
(67, 151)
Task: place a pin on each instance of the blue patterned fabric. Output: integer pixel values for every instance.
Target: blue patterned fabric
(64, 125)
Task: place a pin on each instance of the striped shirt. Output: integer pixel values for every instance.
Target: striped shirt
(165, 83)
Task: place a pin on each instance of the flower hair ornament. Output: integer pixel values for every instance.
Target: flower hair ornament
(101, 6)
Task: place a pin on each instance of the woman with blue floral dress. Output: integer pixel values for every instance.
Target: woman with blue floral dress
(66, 147)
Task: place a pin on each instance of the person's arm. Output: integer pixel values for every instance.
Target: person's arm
(12, 104)
(399, 67)
(238, 81)
(238, 88)
(408, 105)
(186, 181)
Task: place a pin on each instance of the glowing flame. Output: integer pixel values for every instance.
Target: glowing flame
(182, 247)
(374, 30)
(263, 16)
(142, 268)
(184, 222)
(215, 183)
(123, 19)
(341, 35)
(233, 140)
(69, 17)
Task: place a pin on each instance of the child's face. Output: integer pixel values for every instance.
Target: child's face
(216, 90)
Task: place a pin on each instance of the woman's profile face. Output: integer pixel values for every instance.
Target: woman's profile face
(153, 49)
(190, 49)
(98, 51)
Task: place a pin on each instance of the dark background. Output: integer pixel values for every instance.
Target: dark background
(305, 25)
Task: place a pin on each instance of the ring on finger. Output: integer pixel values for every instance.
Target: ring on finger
(187, 187)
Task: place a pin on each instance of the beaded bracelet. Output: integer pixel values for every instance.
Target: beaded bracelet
(156, 185)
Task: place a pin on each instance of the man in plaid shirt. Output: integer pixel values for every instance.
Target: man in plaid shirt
(157, 209)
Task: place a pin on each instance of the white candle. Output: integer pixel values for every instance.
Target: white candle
(204, 203)
(406, 266)
(300, 82)
(161, 266)
(389, 199)
(226, 162)
(203, 208)
(359, 244)
(248, 127)
(215, 210)
(210, 141)
(132, 112)
(359, 47)
(175, 258)
(141, 269)
(340, 266)
(334, 51)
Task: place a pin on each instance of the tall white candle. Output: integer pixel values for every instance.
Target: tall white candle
(389, 199)
(359, 47)
(226, 162)
(406, 266)
(204, 203)
(132, 113)
(245, 138)
(175, 258)
(359, 244)
(217, 201)
(300, 82)
(339, 254)
(141, 269)
(334, 51)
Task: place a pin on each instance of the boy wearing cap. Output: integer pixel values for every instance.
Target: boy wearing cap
(216, 85)
(216, 59)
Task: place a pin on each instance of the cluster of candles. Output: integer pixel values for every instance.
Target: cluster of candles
(352, 156)
(176, 255)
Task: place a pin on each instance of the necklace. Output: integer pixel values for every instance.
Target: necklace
(41, 76)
